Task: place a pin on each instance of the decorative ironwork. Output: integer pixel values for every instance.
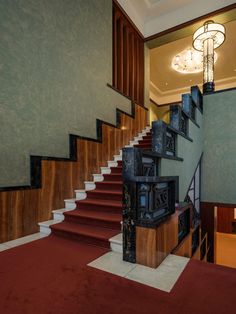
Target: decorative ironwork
(178, 119)
(193, 196)
(150, 167)
(188, 106)
(129, 217)
(153, 202)
(193, 112)
(197, 97)
(170, 143)
(147, 200)
(184, 124)
(163, 140)
(183, 224)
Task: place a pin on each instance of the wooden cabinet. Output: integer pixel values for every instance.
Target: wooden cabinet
(154, 244)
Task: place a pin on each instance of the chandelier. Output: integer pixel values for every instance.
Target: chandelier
(189, 61)
(207, 38)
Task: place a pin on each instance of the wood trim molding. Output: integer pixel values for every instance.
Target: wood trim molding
(230, 205)
(165, 105)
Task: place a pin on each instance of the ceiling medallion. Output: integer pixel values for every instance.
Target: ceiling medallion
(189, 61)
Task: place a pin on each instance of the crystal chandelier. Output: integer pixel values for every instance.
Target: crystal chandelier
(189, 61)
(207, 38)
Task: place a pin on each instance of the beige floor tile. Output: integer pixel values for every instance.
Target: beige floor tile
(3, 247)
(24, 240)
(112, 262)
(163, 278)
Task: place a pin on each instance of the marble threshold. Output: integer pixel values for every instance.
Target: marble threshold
(163, 277)
(11, 244)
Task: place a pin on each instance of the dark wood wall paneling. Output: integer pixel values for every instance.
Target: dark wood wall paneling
(22, 209)
(128, 57)
(225, 219)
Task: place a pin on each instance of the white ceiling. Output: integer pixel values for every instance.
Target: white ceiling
(154, 16)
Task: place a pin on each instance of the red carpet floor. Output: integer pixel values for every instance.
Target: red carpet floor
(50, 276)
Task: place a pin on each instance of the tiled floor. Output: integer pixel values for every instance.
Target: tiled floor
(164, 277)
(20, 241)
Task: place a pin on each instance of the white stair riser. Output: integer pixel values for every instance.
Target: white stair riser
(70, 205)
(97, 177)
(45, 229)
(105, 170)
(90, 186)
(138, 138)
(80, 195)
(112, 163)
(132, 143)
(58, 216)
(117, 157)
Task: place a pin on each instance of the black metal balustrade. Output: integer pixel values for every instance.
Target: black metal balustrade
(203, 249)
(163, 139)
(189, 106)
(195, 239)
(183, 224)
(178, 119)
(197, 97)
(147, 199)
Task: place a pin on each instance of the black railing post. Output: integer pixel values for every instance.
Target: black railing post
(131, 167)
(159, 130)
(188, 106)
(197, 97)
(175, 116)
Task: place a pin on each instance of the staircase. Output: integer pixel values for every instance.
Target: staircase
(95, 216)
(98, 213)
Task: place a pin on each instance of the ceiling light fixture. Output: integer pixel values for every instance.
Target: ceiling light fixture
(207, 38)
(188, 61)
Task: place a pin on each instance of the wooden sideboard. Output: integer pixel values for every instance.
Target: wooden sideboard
(175, 235)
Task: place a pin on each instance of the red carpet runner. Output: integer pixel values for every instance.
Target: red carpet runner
(97, 218)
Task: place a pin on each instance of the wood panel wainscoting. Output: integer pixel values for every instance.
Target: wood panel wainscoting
(55, 179)
(128, 57)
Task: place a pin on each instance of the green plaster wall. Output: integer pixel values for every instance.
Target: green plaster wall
(191, 152)
(219, 159)
(55, 61)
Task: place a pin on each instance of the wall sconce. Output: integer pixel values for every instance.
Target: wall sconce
(207, 38)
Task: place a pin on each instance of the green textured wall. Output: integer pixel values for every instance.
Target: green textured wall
(219, 159)
(191, 152)
(55, 61)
